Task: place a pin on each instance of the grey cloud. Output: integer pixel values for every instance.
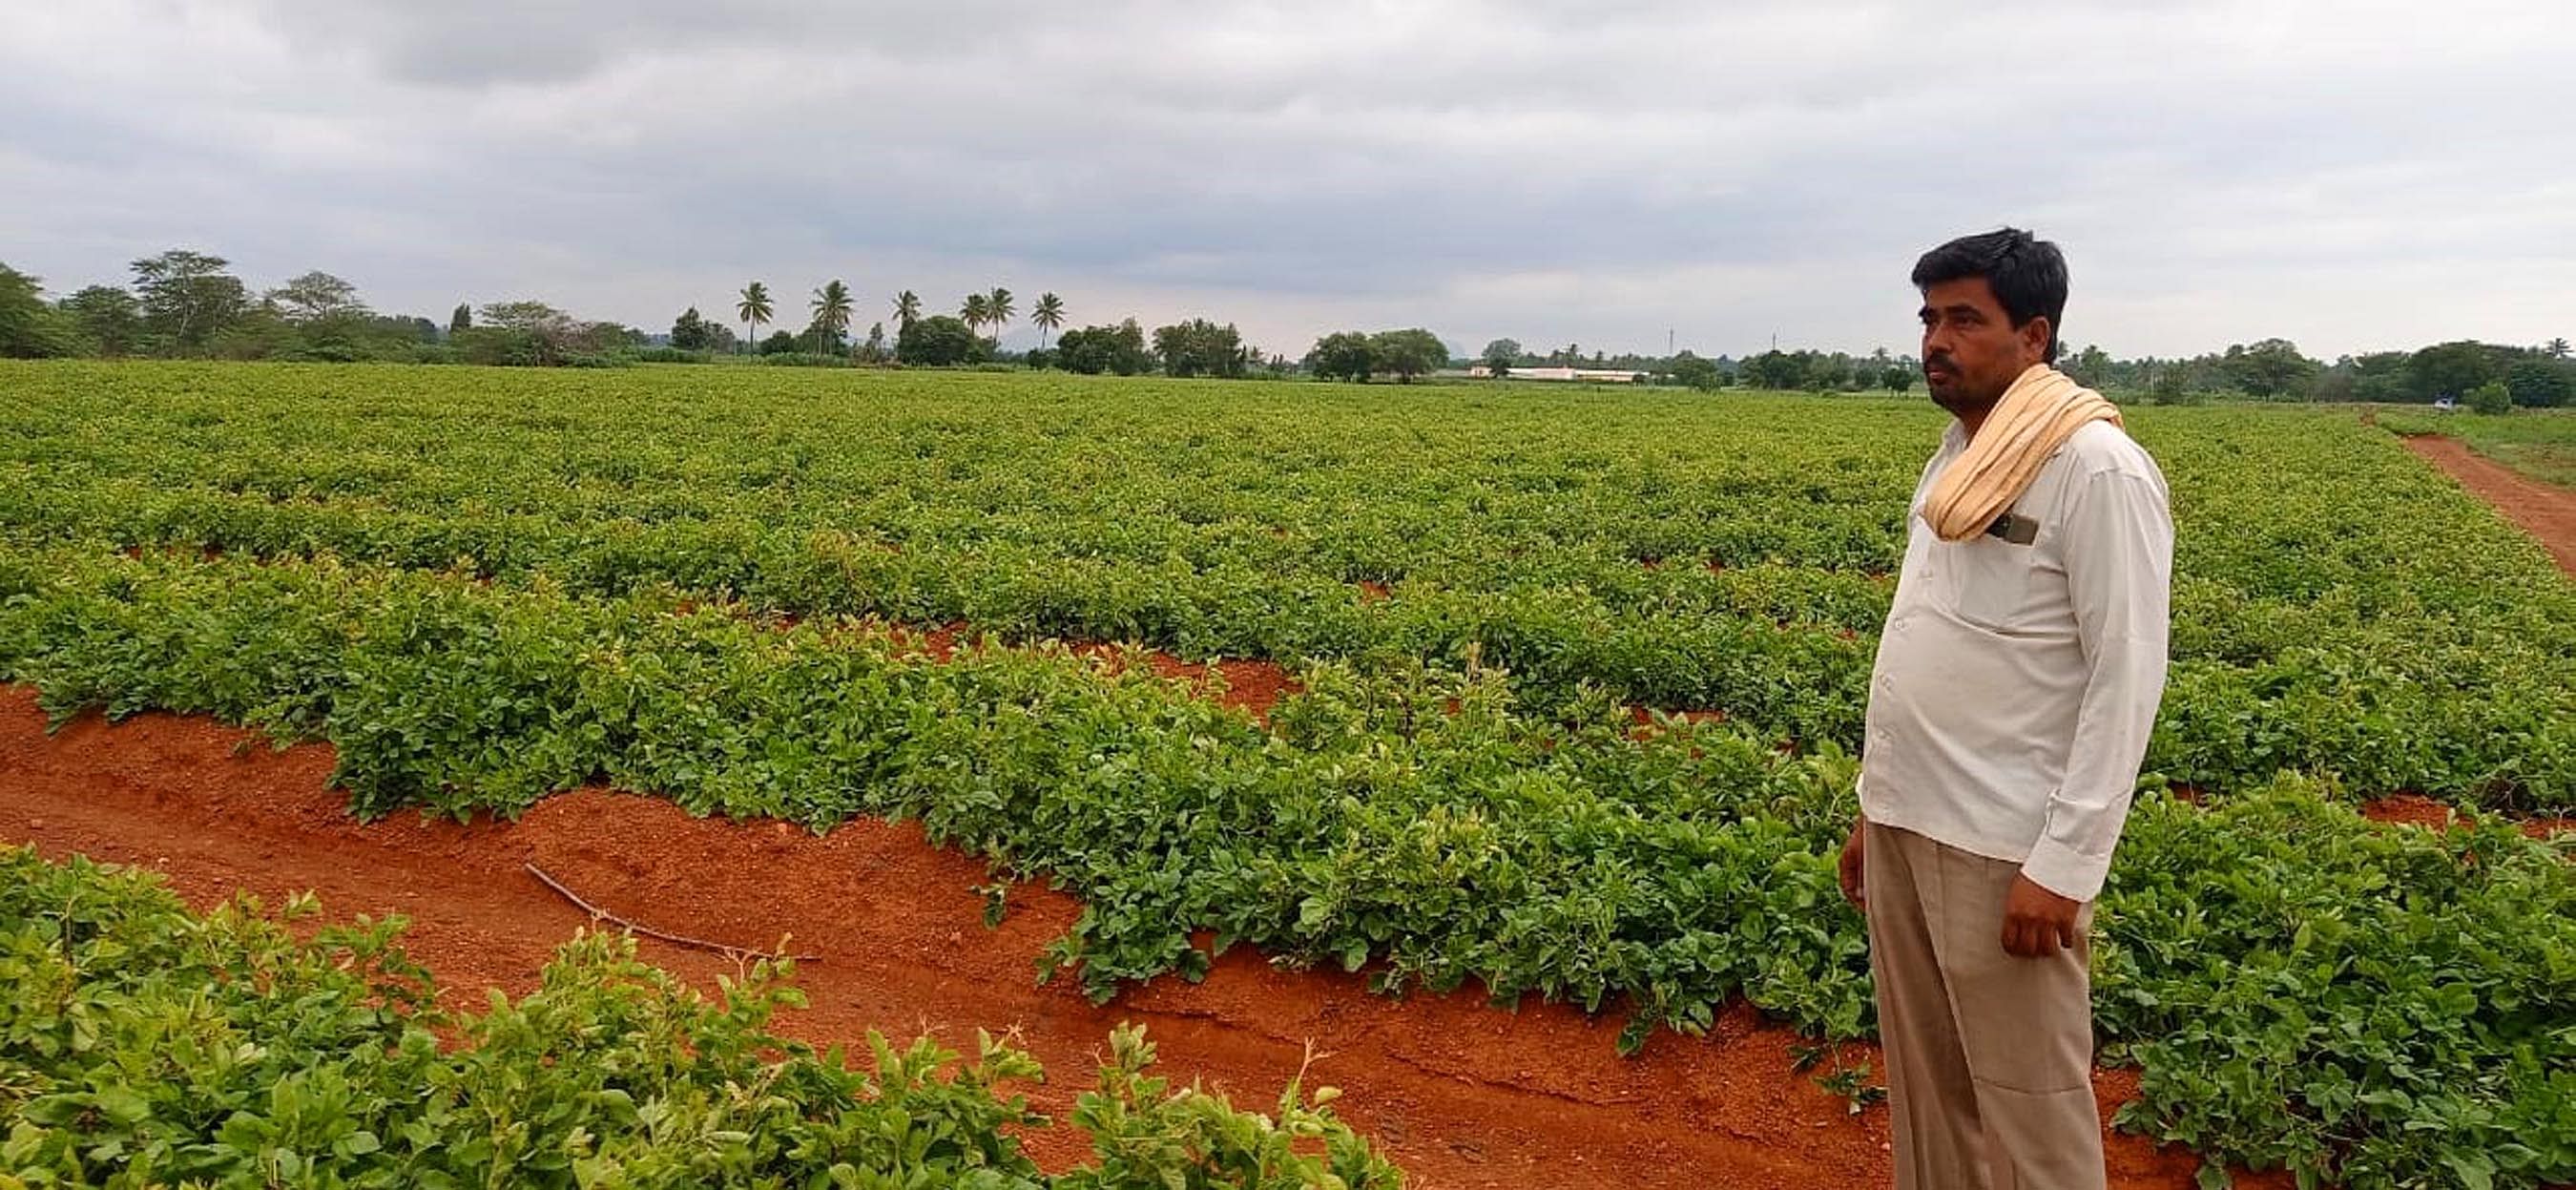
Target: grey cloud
(1547, 168)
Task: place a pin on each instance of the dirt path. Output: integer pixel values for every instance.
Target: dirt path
(2544, 511)
(1462, 1094)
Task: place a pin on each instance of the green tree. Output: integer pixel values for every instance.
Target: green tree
(1200, 348)
(874, 350)
(1097, 349)
(2491, 398)
(2381, 376)
(832, 308)
(998, 309)
(1690, 369)
(2172, 384)
(461, 320)
(1048, 315)
(30, 328)
(1825, 373)
(534, 333)
(2337, 383)
(2448, 370)
(261, 331)
(2090, 367)
(1343, 355)
(1776, 369)
(1409, 353)
(1500, 355)
(938, 341)
(106, 317)
(2268, 368)
(2557, 349)
(907, 309)
(1897, 380)
(975, 311)
(779, 343)
(691, 331)
(522, 315)
(316, 296)
(2541, 383)
(754, 309)
(187, 297)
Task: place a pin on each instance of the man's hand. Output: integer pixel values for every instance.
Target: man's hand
(2037, 922)
(1850, 864)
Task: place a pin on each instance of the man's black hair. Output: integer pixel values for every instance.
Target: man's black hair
(2028, 274)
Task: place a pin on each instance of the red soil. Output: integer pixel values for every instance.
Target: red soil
(1462, 1094)
(2410, 809)
(2414, 809)
(2545, 511)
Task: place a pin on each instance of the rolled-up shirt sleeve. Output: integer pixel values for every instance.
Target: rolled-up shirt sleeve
(2118, 554)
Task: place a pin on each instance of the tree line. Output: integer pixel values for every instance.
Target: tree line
(2493, 377)
(188, 304)
(2489, 376)
(1192, 347)
(184, 304)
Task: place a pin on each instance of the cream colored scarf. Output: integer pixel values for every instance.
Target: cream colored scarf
(2034, 417)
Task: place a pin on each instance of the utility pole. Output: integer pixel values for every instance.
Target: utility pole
(1668, 342)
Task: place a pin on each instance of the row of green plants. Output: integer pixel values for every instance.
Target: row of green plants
(2338, 606)
(2366, 1005)
(142, 1044)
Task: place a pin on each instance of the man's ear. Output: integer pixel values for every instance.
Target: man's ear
(2035, 335)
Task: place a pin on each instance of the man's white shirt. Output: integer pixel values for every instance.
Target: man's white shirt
(2016, 684)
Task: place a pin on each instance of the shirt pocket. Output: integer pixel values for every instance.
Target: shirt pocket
(1990, 582)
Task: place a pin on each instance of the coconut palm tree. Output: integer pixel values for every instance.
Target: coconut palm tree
(907, 309)
(1048, 314)
(976, 310)
(998, 310)
(754, 310)
(831, 313)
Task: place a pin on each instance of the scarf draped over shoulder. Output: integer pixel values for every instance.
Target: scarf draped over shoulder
(2033, 418)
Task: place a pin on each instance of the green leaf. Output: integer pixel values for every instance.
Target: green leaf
(122, 1106)
(2476, 1172)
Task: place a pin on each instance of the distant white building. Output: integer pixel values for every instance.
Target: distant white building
(1596, 375)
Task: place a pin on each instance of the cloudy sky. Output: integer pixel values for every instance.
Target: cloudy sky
(2352, 176)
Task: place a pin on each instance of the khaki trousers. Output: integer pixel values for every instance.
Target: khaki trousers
(1989, 1056)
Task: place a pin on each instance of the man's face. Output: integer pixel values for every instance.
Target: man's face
(1971, 350)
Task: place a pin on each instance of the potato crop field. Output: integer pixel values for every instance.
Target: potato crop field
(1552, 695)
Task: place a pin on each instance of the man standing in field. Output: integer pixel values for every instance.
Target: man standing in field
(2016, 684)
